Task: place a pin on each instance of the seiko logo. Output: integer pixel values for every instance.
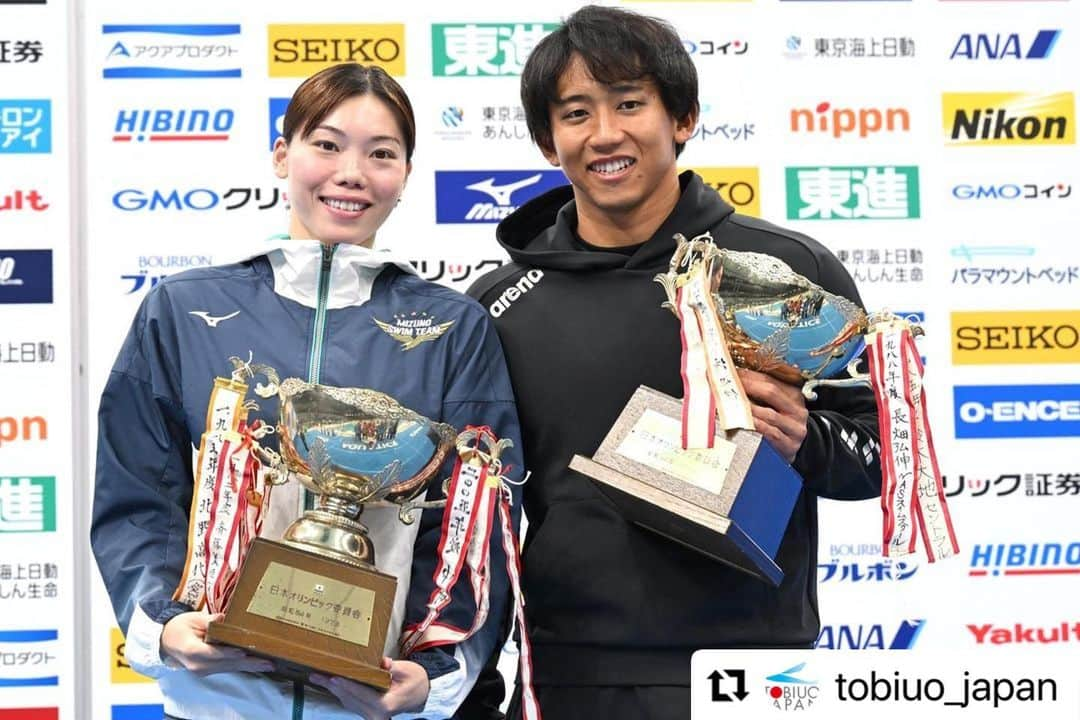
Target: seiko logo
(515, 291)
(336, 50)
(1028, 337)
(1020, 633)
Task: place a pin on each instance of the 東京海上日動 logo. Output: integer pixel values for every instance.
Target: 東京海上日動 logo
(853, 193)
(471, 196)
(171, 52)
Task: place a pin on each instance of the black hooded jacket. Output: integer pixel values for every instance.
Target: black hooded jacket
(609, 603)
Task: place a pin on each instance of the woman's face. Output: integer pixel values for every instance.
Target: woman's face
(347, 174)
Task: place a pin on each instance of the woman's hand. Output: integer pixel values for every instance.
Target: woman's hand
(184, 639)
(408, 691)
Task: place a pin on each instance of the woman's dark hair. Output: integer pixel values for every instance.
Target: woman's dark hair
(616, 45)
(325, 90)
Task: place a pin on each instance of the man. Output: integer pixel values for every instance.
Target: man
(614, 611)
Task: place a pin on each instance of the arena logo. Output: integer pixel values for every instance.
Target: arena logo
(28, 428)
(27, 504)
(1002, 46)
(1009, 118)
(25, 126)
(484, 49)
(171, 52)
(301, 50)
(738, 186)
(1024, 559)
(1016, 337)
(23, 200)
(870, 636)
(515, 292)
(1013, 191)
(26, 276)
(1024, 634)
(177, 125)
(477, 196)
(840, 122)
(1016, 411)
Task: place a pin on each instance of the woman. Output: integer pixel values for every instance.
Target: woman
(326, 307)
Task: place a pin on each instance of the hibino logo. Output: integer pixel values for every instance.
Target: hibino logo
(1052, 558)
(1002, 411)
(1009, 118)
(186, 125)
(838, 122)
(514, 292)
(1034, 336)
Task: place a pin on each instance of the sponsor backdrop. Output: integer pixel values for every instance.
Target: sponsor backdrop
(929, 143)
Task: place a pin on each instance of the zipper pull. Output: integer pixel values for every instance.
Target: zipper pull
(327, 256)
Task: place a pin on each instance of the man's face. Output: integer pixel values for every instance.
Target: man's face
(616, 143)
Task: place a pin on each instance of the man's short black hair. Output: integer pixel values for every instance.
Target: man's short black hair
(616, 45)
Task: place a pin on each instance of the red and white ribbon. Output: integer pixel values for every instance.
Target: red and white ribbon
(474, 494)
(912, 492)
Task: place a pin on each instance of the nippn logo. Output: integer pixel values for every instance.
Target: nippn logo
(841, 122)
(1009, 118)
(301, 50)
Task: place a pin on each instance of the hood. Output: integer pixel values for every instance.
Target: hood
(541, 233)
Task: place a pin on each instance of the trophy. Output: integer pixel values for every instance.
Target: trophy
(314, 600)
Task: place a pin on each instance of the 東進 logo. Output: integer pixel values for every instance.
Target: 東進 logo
(853, 193)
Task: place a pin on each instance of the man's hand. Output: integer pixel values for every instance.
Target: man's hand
(184, 640)
(779, 411)
(408, 691)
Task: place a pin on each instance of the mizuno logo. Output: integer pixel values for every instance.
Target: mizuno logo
(501, 193)
(210, 319)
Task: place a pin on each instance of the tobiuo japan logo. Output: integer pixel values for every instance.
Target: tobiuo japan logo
(25, 126)
(1016, 411)
(26, 276)
(27, 504)
(1005, 46)
(171, 51)
(483, 49)
(1009, 118)
(853, 193)
(487, 196)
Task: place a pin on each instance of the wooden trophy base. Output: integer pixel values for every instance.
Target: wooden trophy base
(309, 613)
(731, 503)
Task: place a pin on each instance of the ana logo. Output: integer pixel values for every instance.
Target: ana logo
(1004, 46)
(26, 276)
(789, 692)
(119, 670)
(301, 50)
(1025, 559)
(738, 186)
(1002, 411)
(20, 51)
(171, 51)
(23, 200)
(27, 504)
(25, 126)
(1012, 191)
(30, 653)
(468, 196)
(26, 428)
(716, 47)
(184, 125)
(156, 263)
(1016, 337)
(483, 49)
(839, 122)
(1009, 118)
(1019, 634)
(870, 637)
(415, 328)
(516, 291)
(853, 193)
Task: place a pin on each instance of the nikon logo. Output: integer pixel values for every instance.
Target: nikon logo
(739, 186)
(1040, 336)
(301, 50)
(1009, 119)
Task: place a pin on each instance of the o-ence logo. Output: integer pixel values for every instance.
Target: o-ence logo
(843, 121)
(1016, 337)
(738, 186)
(1015, 411)
(301, 50)
(1009, 118)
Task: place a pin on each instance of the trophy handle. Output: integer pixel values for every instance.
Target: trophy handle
(856, 379)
